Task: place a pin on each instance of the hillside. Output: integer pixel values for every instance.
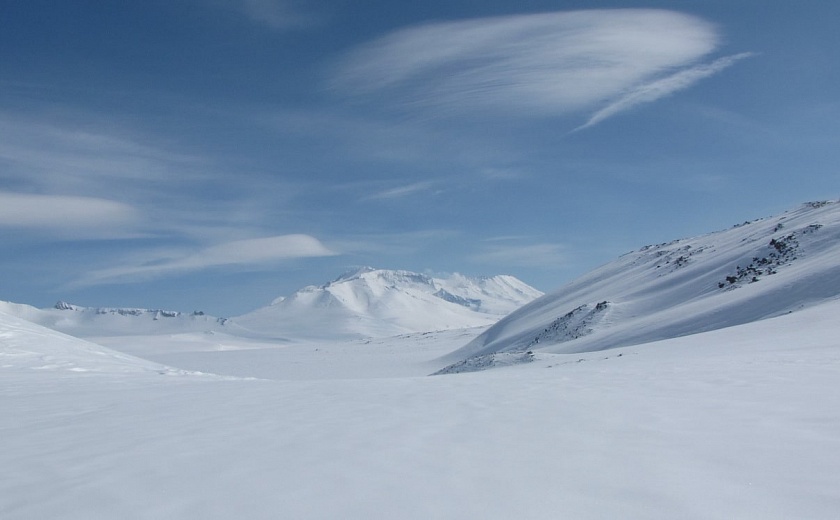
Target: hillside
(87, 322)
(750, 272)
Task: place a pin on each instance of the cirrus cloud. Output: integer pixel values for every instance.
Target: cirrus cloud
(253, 252)
(541, 255)
(68, 216)
(538, 64)
(275, 14)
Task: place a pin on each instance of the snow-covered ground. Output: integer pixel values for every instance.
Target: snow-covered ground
(737, 423)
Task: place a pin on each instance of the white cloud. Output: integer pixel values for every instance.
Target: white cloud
(79, 156)
(400, 191)
(516, 255)
(60, 155)
(67, 216)
(257, 250)
(276, 14)
(254, 252)
(540, 64)
(659, 88)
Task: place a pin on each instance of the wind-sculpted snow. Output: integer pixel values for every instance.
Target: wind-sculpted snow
(749, 272)
(734, 423)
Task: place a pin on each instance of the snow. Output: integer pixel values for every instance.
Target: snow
(736, 421)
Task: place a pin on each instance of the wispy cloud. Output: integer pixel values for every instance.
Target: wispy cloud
(401, 191)
(536, 65)
(254, 252)
(394, 244)
(68, 216)
(659, 88)
(503, 252)
(276, 14)
(84, 155)
(79, 157)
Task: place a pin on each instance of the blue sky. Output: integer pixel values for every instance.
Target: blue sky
(215, 154)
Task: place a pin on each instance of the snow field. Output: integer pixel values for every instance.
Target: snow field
(736, 423)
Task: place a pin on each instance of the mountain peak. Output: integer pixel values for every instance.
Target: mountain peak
(354, 273)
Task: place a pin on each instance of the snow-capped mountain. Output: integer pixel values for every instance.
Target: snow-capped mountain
(377, 302)
(755, 270)
(364, 303)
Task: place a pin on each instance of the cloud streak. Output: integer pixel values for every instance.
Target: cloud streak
(401, 191)
(275, 14)
(67, 216)
(254, 252)
(544, 255)
(659, 88)
(534, 65)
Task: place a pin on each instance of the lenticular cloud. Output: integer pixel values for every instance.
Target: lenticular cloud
(538, 64)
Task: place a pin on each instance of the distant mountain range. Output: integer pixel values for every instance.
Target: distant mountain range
(755, 270)
(363, 303)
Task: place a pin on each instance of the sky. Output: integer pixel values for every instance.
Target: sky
(215, 154)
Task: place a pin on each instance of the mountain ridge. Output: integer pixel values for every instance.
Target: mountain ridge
(365, 302)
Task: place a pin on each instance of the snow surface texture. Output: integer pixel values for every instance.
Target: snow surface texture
(736, 423)
(752, 271)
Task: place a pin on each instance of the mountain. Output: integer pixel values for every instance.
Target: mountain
(377, 302)
(755, 270)
(360, 304)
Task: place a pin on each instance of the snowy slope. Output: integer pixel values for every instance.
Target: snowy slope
(98, 321)
(26, 346)
(752, 271)
(378, 303)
